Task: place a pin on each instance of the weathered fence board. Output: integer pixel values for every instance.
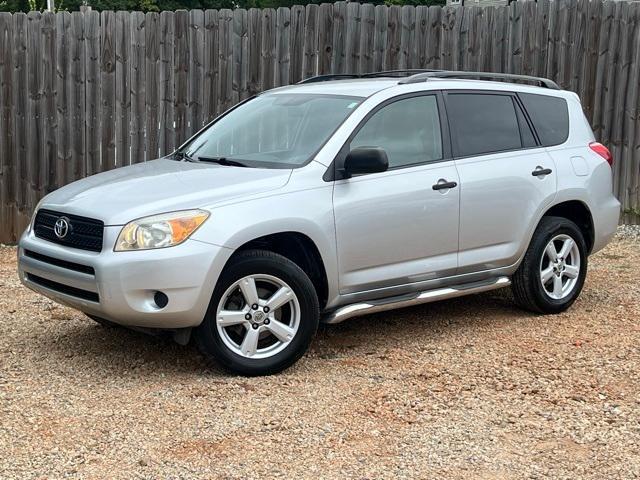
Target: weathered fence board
(325, 38)
(93, 110)
(35, 126)
(196, 71)
(137, 87)
(310, 61)
(21, 111)
(107, 91)
(123, 85)
(181, 69)
(166, 142)
(82, 93)
(7, 194)
(48, 165)
(226, 58)
(63, 93)
(151, 98)
(253, 62)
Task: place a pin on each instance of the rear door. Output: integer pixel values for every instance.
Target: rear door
(506, 177)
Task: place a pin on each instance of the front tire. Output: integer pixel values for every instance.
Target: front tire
(262, 316)
(552, 273)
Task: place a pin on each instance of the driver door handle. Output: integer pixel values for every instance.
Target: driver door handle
(443, 184)
(541, 171)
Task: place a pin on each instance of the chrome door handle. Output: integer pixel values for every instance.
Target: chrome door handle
(443, 185)
(541, 171)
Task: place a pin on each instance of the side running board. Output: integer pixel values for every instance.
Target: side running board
(374, 306)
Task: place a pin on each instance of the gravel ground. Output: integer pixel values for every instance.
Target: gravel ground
(467, 388)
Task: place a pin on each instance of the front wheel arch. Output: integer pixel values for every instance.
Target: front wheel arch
(301, 250)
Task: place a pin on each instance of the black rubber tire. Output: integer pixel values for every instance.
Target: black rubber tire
(103, 322)
(249, 262)
(526, 285)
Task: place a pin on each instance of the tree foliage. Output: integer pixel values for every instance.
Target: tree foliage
(159, 5)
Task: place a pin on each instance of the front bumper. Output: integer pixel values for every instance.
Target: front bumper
(120, 286)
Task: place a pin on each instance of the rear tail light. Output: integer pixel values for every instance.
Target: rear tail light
(602, 151)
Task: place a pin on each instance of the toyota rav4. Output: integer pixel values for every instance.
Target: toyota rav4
(339, 196)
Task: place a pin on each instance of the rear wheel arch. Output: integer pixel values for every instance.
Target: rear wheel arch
(578, 212)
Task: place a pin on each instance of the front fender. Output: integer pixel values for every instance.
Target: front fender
(308, 212)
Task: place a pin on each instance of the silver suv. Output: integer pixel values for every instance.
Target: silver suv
(329, 199)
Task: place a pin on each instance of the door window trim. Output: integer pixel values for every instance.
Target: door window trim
(517, 105)
(334, 171)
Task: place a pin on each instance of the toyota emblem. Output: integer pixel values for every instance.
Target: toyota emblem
(62, 227)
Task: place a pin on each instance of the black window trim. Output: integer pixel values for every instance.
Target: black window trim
(521, 113)
(516, 104)
(335, 172)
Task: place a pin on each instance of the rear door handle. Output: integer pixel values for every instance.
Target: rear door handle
(541, 171)
(443, 185)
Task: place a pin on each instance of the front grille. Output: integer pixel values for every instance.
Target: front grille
(60, 263)
(83, 233)
(65, 289)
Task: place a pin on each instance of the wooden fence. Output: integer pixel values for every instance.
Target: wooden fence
(81, 93)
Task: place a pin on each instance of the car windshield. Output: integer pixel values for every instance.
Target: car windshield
(278, 130)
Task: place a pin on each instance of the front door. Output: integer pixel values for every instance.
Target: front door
(400, 226)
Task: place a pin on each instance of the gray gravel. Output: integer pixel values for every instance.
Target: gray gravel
(628, 232)
(468, 388)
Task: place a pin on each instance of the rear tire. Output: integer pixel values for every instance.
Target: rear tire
(552, 273)
(262, 315)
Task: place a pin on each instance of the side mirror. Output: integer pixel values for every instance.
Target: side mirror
(366, 160)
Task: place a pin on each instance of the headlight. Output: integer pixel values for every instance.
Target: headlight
(159, 231)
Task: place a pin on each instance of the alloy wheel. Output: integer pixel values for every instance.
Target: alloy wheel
(560, 267)
(258, 316)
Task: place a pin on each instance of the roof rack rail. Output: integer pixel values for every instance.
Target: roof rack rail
(385, 73)
(398, 73)
(423, 77)
(332, 76)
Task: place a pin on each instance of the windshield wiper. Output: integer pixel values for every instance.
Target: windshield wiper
(183, 156)
(219, 160)
(222, 161)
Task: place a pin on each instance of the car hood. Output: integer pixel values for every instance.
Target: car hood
(121, 195)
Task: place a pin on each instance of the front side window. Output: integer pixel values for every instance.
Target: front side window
(274, 130)
(408, 130)
(483, 123)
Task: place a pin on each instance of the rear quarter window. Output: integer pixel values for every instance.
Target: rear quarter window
(550, 117)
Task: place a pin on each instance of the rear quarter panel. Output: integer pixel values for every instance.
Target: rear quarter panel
(585, 176)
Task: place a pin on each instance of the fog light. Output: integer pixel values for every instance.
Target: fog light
(161, 299)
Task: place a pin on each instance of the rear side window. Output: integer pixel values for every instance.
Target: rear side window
(550, 117)
(483, 123)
